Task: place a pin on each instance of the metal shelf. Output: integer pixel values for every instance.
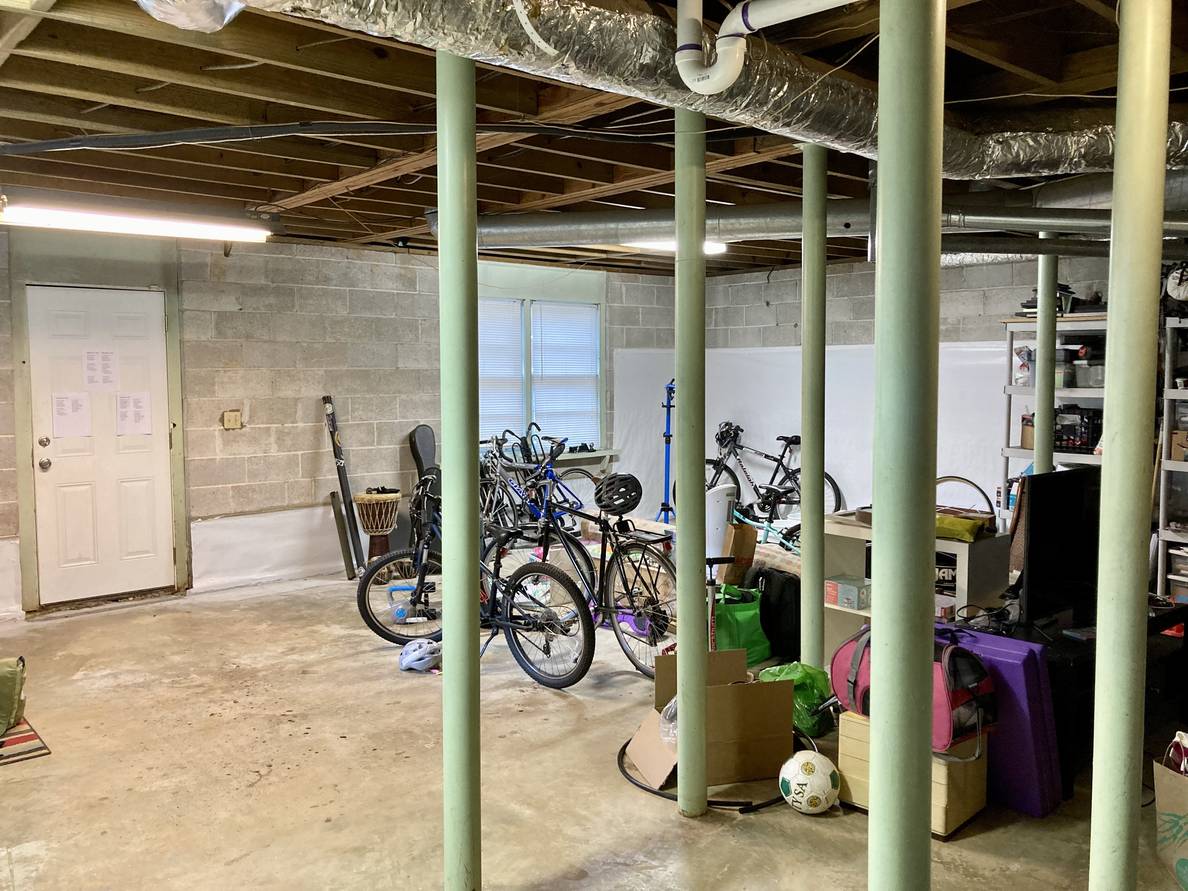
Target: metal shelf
(1064, 392)
(1057, 457)
(1176, 466)
(1175, 394)
(1172, 535)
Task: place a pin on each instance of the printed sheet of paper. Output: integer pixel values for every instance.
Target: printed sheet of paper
(102, 369)
(72, 414)
(134, 414)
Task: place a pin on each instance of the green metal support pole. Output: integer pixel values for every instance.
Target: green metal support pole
(458, 274)
(692, 634)
(1132, 335)
(812, 406)
(907, 332)
(1045, 360)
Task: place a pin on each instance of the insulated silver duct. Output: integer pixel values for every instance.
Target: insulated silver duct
(760, 222)
(630, 52)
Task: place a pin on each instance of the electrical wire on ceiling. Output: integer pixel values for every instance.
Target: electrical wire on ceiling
(213, 135)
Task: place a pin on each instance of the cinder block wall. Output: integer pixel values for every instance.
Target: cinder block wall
(757, 309)
(271, 329)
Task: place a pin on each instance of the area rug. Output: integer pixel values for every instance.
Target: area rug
(20, 743)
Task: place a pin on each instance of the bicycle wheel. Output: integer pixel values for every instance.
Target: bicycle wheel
(717, 476)
(790, 539)
(400, 599)
(643, 602)
(566, 552)
(579, 484)
(789, 505)
(547, 625)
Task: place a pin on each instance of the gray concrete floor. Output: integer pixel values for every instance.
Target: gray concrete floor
(264, 738)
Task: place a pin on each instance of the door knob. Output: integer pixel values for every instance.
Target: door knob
(44, 442)
(45, 463)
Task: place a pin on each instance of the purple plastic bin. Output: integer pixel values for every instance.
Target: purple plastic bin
(1024, 763)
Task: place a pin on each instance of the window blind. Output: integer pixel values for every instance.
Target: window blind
(566, 355)
(501, 367)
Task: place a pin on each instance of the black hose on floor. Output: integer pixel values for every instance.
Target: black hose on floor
(722, 804)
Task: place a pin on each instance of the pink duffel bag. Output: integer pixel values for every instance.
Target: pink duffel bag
(962, 692)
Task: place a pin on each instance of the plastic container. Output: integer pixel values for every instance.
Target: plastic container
(1089, 374)
(1066, 375)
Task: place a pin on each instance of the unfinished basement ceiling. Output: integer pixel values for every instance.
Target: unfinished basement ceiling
(103, 66)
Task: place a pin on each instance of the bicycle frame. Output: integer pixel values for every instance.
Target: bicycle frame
(732, 452)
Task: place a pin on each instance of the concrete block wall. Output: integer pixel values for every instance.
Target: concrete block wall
(269, 330)
(8, 503)
(761, 309)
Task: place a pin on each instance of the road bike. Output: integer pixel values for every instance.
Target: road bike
(632, 588)
(779, 498)
(539, 609)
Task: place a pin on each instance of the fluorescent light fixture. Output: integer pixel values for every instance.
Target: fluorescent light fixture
(45, 216)
(710, 247)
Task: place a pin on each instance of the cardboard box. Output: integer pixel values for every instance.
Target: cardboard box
(1179, 445)
(852, 593)
(739, 544)
(958, 788)
(748, 725)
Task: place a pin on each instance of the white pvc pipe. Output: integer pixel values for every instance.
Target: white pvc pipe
(730, 47)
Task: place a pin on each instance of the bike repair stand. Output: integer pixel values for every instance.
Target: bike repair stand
(667, 511)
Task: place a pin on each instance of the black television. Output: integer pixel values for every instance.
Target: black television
(1059, 567)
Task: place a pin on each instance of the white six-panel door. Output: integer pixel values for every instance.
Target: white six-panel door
(100, 441)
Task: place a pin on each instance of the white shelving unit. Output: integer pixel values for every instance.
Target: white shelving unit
(981, 571)
(1169, 538)
(1023, 330)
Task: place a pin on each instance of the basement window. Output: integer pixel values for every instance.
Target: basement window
(541, 360)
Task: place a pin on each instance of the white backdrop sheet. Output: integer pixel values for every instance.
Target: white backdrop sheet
(760, 390)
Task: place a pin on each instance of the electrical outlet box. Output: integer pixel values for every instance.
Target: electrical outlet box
(233, 419)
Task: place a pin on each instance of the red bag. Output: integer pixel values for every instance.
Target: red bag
(962, 692)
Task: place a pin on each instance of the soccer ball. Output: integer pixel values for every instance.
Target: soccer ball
(809, 782)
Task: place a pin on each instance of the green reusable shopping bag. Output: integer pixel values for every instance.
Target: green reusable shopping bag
(12, 696)
(812, 689)
(736, 624)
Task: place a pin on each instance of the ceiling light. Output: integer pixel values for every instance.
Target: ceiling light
(46, 216)
(711, 247)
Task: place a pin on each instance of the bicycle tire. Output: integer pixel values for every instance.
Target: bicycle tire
(712, 480)
(573, 610)
(583, 490)
(790, 539)
(789, 505)
(657, 616)
(364, 591)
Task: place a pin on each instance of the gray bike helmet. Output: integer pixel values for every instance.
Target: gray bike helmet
(420, 655)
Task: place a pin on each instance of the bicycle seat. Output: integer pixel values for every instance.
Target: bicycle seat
(791, 440)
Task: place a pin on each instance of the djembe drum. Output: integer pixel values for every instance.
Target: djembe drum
(377, 516)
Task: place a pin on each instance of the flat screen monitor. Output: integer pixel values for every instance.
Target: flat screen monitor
(1059, 570)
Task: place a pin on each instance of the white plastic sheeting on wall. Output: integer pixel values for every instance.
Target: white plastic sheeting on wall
(759, 389)
(254, 548)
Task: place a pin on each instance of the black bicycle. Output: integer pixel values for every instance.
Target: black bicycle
(633, 587)
(779, 498)
(543, 615)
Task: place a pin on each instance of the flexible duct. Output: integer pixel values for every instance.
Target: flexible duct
(631, 53)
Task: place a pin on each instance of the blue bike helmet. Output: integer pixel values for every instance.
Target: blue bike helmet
(420, 655)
